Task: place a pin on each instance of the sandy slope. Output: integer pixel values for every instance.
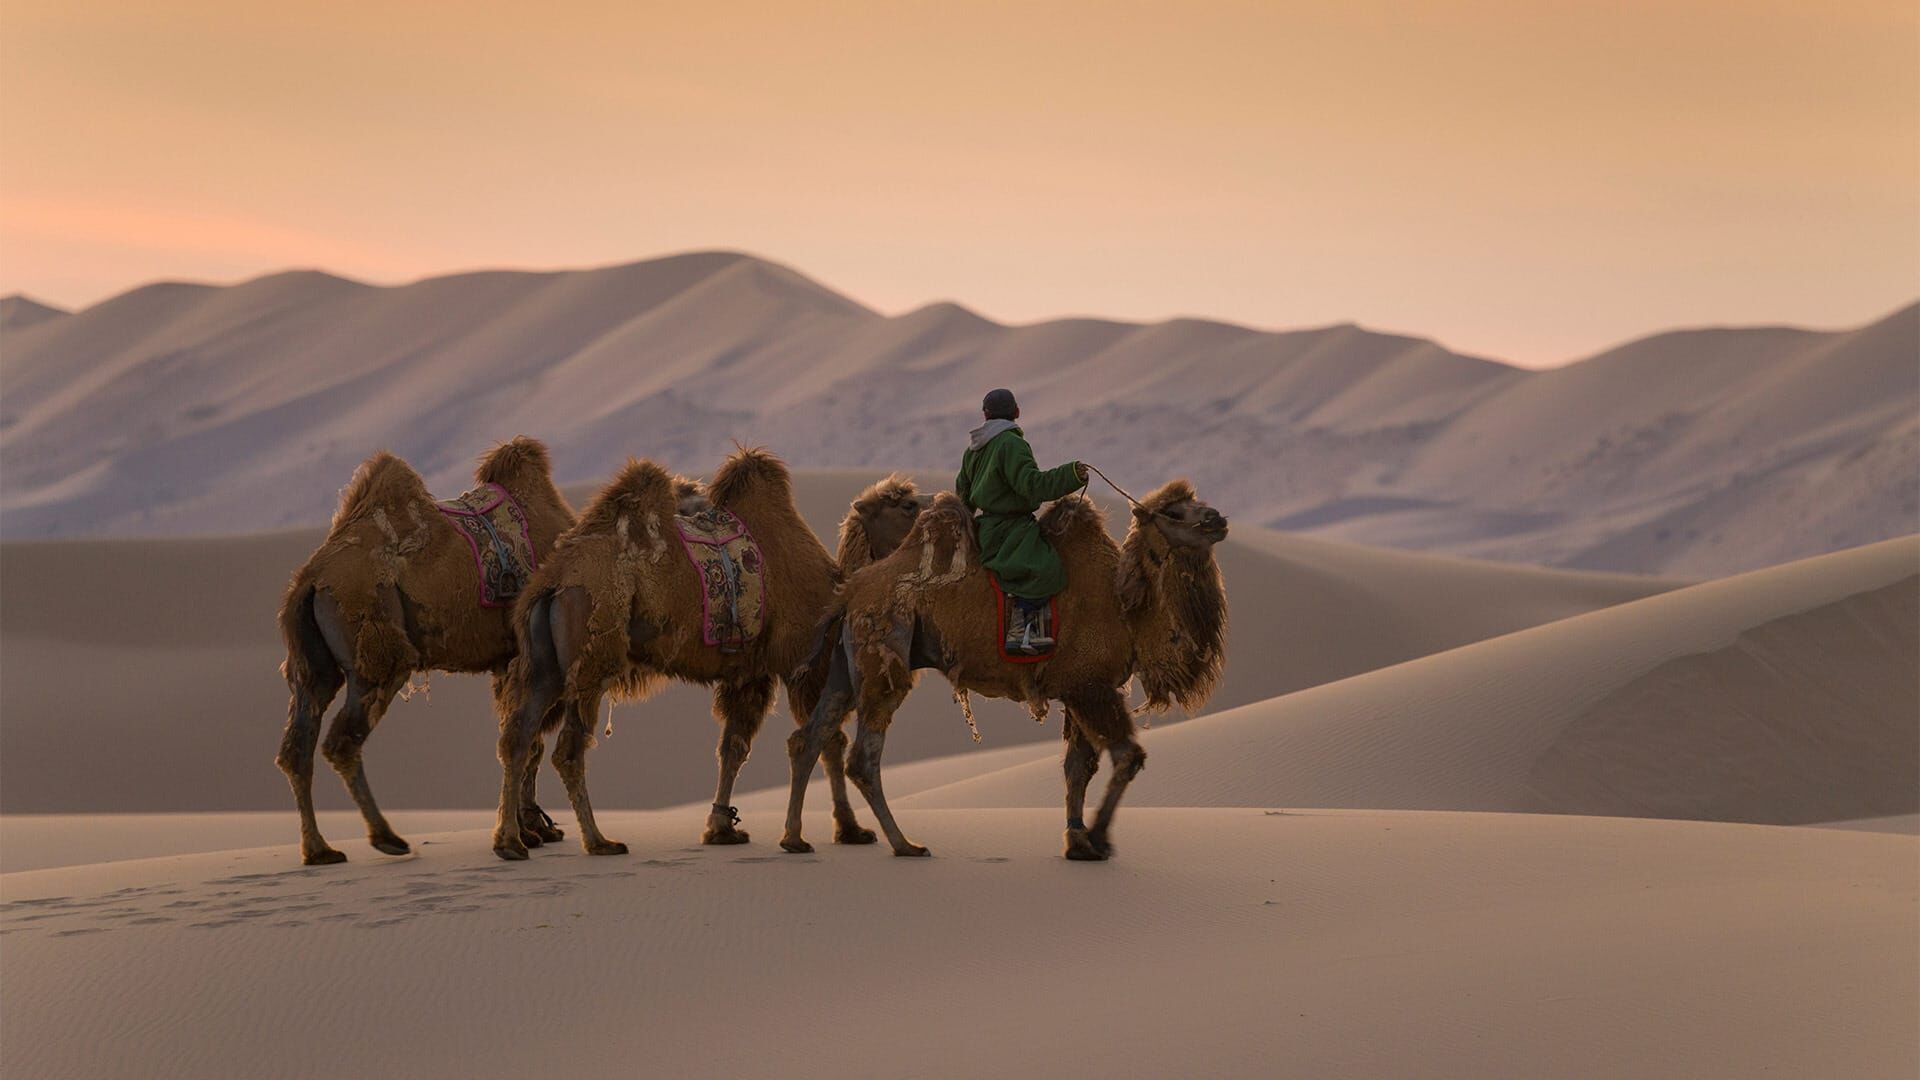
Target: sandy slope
(19, 312)
(190, 409)
(1221, 943)
(1787, 695)
(142, 675)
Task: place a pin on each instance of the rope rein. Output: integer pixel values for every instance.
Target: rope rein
(1137, 504)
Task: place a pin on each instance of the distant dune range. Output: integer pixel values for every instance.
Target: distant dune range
(142, 675)
(194, 410)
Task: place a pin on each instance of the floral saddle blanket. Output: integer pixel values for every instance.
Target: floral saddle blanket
(495, 526)
(733, 577)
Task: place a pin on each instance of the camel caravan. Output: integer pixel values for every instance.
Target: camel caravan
(725, 585)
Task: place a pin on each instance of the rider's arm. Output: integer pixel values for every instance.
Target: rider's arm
(1032, 482)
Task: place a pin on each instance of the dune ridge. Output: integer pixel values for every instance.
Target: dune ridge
(191, 409)
(1782, 696)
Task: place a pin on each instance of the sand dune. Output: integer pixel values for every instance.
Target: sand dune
(19, 312)
(1331, 944)
(142, 675)
(182, 409)
(1783, 696)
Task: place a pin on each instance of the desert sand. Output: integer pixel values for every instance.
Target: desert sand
(1241, 930)
(186, 409)
(1222, 942)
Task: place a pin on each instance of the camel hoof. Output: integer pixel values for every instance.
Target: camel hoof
(724, 836)
(853, 834)
(390, 845)
(1081, 848)
(511, 854)
(530, 838)
(1101, 844)
(607, 847)
(796, 845)
(323, 857)
(912, 851)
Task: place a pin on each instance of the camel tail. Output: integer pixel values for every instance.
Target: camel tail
(810, 679)
(313, 677)
(309, 662)
(536, 663)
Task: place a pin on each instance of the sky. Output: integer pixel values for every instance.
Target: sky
(1527, 180)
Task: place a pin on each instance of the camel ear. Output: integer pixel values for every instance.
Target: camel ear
(1142, 515)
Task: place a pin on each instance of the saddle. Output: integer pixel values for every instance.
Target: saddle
(1011, 619)
(733, 578)
(495, 525)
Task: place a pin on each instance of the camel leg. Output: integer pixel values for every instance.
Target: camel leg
(519, 753)
(846, 824)
(307, 705)
(346, 737)
(1081, 761)
(1107, 718)
(741, 708)
(822, 728)
(863, 768)
(570, 757)
(536, 825)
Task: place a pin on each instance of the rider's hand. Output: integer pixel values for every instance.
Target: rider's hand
(1080, 469)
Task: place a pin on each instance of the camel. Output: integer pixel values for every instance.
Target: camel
(391, 591)
(618, 608)
(1153, 607)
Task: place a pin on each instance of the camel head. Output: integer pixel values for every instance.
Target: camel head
(879, 519)
(1172, 593)
(1181, 518)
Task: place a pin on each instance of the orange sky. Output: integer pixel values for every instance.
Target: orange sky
(1529, 180)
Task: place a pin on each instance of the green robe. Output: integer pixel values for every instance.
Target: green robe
(1001, 482)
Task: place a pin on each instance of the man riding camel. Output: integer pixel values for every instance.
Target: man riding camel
(999, 481)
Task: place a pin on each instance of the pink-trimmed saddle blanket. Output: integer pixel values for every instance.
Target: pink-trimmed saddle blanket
(732, 573)
(495, 525)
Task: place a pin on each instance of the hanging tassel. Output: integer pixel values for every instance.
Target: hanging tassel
(966, 709)
(609, 731)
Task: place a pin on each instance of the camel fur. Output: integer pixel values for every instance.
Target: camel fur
(1153, 606)
(390, 592)
(617, 610)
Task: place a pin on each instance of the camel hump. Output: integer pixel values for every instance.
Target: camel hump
(750, 468)
(1074, 513)
(520, 457)
(381, 480)
(641, 487)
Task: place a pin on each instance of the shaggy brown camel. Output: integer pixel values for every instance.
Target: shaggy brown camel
(618, 609)
(394, 590)
(1152, 607)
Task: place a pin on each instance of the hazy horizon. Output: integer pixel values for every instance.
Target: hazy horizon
(1525, 184)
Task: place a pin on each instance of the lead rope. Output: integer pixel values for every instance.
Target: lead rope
(1137, 504)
